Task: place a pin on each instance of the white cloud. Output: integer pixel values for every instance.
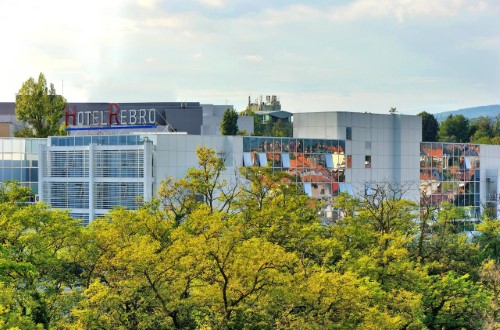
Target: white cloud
(403, 9)
(213, 3)
(164, 21)
(294, 13)
(147, 3)
(253, 58)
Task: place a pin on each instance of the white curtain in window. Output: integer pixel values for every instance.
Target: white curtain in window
(329, 161)
(262, 159)
(467, 163)
(247, 159)
(285, 160)
(308, 189)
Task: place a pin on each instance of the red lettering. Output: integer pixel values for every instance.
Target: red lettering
(71, 115)
(114, 114)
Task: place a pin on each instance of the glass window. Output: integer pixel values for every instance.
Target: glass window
(349, 189)
(368, 161)
(246, 144)
(308, 188)
(307, 145)
(285, 160)
(16, 174)
(247, 159)
(349, 161)
(329, 161)
(113, 140)
(122, 140)
(341, 147)
(34, 174)
(262, 159)
(348, 133)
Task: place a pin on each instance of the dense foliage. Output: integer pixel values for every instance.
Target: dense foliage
(215, 254)
(229, 124)
(454, 129)
(40, 109)
(482, 130)
(430, 127)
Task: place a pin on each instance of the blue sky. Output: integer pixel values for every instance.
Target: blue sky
(358, 55)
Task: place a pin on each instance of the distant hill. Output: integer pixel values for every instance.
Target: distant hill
(486, 110)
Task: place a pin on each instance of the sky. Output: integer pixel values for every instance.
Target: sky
(336, 55)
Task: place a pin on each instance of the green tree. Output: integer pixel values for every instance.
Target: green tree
(142, 275)
(38, 272)
(490, 276)
(454, 302)
(489, 239)
(229, 125)
(430, 127)
(481, 130)
(40, 109)
(281, 129)
(202, 184)
(446, 248)
(454, 129)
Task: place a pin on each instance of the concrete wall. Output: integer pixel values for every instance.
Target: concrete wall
(175, 154)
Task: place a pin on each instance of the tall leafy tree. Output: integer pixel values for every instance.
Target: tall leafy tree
(482, 130)
(283, 129)
(39, 108)
(229, 125)
(39, 276)
(454, 129)
(430, 127)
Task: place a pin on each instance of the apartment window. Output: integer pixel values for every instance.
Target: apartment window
(368, 161)
(349, 161)
(348, 133)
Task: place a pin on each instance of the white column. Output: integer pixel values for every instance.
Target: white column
(90, 180)
(42, 148)
(148, 170)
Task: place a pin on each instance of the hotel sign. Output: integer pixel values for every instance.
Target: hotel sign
(112, 116)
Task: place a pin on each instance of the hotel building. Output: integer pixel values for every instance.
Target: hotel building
(108, 165)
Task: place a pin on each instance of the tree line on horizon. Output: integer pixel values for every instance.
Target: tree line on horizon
(459, 129)
(254, 254)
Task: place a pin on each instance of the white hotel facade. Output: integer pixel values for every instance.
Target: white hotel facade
(330, 152)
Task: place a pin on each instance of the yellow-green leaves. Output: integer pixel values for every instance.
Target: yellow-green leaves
(39, 108)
